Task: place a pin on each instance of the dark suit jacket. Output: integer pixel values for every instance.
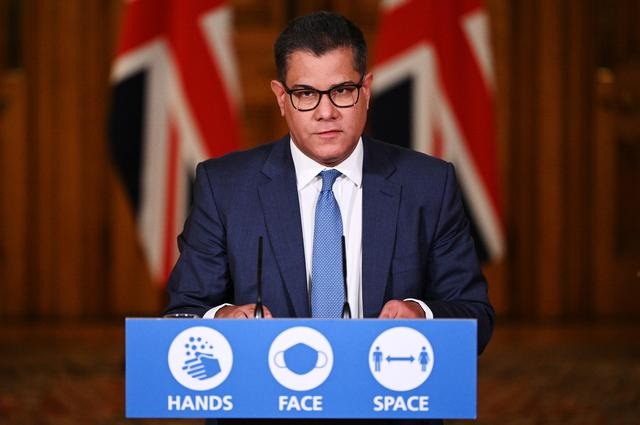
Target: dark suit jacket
(415, 236)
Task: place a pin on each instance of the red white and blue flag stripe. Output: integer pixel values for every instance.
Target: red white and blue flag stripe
(174, 104)
(433, 91)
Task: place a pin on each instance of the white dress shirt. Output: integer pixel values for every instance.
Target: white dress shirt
(347, 190)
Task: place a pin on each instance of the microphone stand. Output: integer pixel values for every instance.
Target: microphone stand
(346, 310)
(258, 312)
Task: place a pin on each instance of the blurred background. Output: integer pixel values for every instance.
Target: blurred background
(566, 134)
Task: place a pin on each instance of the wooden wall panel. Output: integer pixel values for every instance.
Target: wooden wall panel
(13, 202)
(603, 222)
(67, 161)
(550, 170)
(578, 140)
(41, 82)
(617, 159)
(255, 30)
(73, 229)
(520, 182)
(550, 116)
(94, 173)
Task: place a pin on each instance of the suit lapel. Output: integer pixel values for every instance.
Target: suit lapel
(279, 199)
(380, 203)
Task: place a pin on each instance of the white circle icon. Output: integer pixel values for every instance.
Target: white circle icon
(200, 358)
(401, 359)
(300, 358)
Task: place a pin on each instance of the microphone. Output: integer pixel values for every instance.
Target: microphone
(258, 313)
(346, 310)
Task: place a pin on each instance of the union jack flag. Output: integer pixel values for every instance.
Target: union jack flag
(433, 92)
(174, 102)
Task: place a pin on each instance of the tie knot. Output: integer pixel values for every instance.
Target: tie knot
(328, 178)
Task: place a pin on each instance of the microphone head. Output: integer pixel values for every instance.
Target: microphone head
(346, 310)
(258, 313)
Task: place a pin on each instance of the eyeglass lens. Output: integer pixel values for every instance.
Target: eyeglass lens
(343, 96)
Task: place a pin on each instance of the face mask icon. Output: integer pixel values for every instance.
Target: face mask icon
(300, 358)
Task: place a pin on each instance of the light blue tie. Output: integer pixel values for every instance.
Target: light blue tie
(327, 288)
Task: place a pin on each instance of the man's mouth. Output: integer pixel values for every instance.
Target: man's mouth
(328, 133)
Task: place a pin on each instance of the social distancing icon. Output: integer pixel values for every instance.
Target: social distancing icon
(401, 359)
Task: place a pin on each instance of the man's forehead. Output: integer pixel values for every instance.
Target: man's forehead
(306, 63)
(339, 49)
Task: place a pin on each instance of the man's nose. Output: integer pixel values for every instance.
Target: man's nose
(326, 109)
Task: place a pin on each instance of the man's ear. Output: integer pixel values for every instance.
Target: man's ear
(367, 81)
(278, 90)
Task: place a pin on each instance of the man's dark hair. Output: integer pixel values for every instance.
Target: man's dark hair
(319, 33)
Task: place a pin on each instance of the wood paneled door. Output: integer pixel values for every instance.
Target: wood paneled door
(616, 242)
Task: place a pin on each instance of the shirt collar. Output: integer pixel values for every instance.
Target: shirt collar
(307, 169)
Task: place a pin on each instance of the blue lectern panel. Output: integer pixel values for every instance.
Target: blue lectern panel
(297, 368)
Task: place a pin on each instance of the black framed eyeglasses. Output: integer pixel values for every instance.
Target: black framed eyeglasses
(307, 98)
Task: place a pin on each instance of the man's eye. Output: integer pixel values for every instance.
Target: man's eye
(343, 89)
(305, 93)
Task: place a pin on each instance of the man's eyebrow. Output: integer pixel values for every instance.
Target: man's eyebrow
(302, 86)
(307, 87)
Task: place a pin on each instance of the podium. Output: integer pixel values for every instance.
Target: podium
(301, 368)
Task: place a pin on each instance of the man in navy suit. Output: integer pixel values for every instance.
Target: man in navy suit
(409, 250)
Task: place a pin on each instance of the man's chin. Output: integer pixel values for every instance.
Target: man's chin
(331, 160)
